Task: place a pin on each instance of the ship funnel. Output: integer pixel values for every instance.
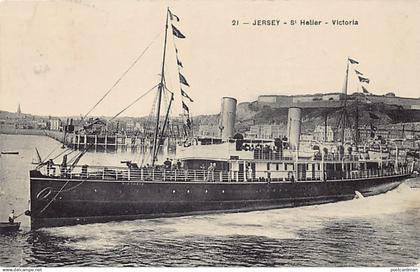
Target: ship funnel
(294, 122)
(227, 117)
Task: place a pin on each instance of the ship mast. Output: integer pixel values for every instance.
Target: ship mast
(160, 90)
(344, 112)
(357, 138)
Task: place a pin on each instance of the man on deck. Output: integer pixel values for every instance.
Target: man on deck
(167, 163)
(12, 217)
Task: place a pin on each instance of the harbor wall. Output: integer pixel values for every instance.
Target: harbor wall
(21, 131)
(104, 143)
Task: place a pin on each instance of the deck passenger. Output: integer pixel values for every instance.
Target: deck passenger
(50, 168)
(84, 173)
(12, 217)
(210, 172)
(167, 164)
(63, 166)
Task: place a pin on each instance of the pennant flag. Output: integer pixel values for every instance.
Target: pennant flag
(365, 90)
(177, 33)
(188, 123)
(184, 94)
(185, 107)
(373, 116)
(358, 73)
(363, 79)
(173, 16)
(183, 80)
(352, 61)
(179, 63)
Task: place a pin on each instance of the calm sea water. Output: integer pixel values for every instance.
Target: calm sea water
(382, 230)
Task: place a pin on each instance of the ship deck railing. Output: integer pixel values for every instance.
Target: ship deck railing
(200, 175)
(280, 156)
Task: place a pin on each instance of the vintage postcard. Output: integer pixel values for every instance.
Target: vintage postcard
(209, 134)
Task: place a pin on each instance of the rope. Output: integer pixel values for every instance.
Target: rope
(123, 74)
(46, 158)
(52, 199)
(134, 102)
(45, 161)
(72, 188)
(63, 153)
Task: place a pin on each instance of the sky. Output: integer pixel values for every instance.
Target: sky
(60, 57)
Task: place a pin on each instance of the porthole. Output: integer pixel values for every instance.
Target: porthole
(206, 191)
(188, 191)
(173, 191)
(223, 191)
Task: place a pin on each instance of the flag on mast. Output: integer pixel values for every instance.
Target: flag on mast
(177, 33)
(185, 107)
(188, 123)
(183, 80)
(173, 16)
(363, 79)
(365, 90)
(184, 94)
(179, 62)
(352, 61)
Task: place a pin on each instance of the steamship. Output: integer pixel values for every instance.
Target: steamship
(229, 174)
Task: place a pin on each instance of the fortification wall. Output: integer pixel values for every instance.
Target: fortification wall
(313, 104)
(332, 100)
(408, 103)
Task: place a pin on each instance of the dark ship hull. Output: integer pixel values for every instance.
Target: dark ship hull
(61, 201)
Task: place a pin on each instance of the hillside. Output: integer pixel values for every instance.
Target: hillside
(249, 114)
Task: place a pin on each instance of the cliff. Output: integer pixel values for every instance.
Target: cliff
(248, 114)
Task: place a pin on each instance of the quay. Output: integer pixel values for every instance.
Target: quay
(109, 143)
(100, 143)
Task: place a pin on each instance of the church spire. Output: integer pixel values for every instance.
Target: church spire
(18, 109)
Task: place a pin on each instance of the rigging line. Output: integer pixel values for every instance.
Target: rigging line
(134, 102)
(74, 158)
(71, 188)
(46, 158)
(54, 149)
(55, 196)
(123, 74)
(61, 153)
